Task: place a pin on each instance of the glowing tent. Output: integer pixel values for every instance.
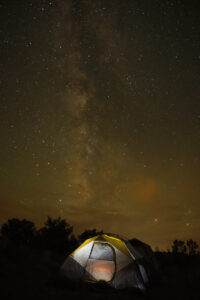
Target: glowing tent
(109, 258)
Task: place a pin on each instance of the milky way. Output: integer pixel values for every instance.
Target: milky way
(100, 116)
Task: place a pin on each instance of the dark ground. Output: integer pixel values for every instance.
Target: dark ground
(27, 274)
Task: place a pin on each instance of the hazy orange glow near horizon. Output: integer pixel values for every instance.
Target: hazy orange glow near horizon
(100, 116)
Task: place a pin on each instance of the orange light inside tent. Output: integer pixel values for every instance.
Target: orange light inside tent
(107, 268)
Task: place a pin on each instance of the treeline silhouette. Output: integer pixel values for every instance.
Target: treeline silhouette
(190, 247)
(57, 236)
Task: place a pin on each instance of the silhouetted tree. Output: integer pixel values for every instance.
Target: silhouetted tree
(56, 235)
(192, 247)
(88, 233)
(19, 231)
(73, 243)
(178, 247)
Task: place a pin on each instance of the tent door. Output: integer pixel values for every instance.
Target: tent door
(101, 264)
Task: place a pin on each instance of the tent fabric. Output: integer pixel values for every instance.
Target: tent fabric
(108, 258)
(101, 269)
(81, 255)
(129, 277)
(73, 268)
(83, 244)
(117, 243)
(146, 255)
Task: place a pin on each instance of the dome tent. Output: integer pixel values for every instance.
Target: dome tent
(109, 258)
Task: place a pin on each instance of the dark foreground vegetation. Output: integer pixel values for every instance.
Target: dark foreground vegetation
(30, 259)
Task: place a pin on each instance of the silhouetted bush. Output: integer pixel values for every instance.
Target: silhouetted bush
(19, 231)
(192, 247)
(179, 247)
(56, 236)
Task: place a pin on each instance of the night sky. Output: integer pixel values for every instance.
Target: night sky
(100, 115)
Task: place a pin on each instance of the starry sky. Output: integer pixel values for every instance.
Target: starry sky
(100, 115)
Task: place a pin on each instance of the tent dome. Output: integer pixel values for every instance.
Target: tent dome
(109, 258)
